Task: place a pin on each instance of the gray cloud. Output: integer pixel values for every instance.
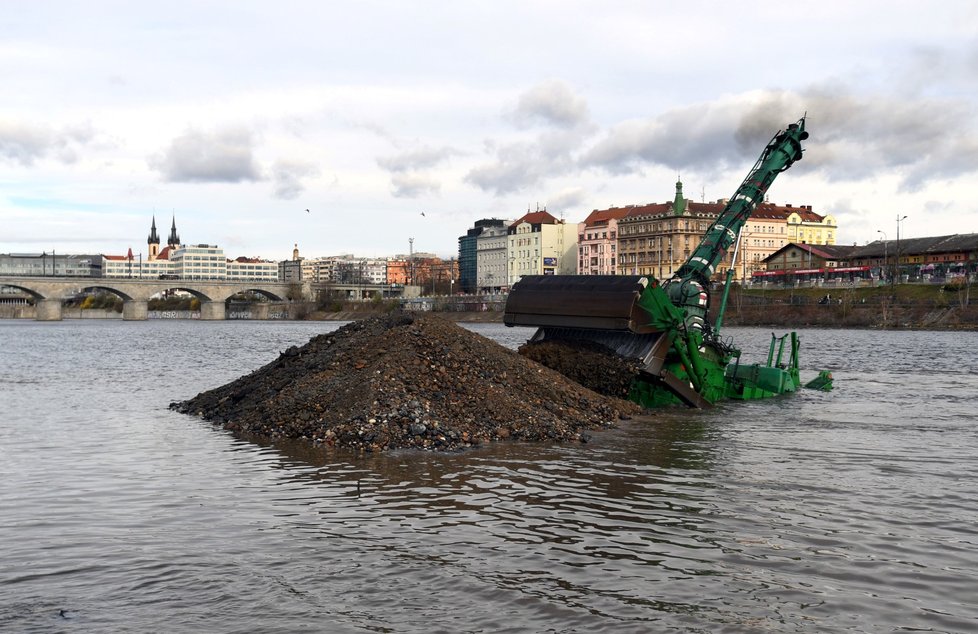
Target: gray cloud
(25, 143)
(916, 139)
(223, 156)
(420, 158)
(568, 199)
(525, 164)
(852, 136)
(516, 167)
(552, 102)
(288, 177)
(699, 135)
(412, 185)
(407, 177)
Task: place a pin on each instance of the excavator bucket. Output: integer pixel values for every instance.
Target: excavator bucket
(603, 302)
(627, 315)
(602, 309)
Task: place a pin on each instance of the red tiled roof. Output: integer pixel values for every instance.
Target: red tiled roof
(602, 216)
(764, 210)
(704, 208)
(652, 209)
(164, 254)
(767, 210)
(536, 218)
(824, 251)
(783, 211)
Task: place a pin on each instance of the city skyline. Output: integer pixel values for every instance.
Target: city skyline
(352, 128)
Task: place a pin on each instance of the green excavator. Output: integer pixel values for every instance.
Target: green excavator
(664, 330)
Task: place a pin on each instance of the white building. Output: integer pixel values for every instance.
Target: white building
(490, 265)
(199, 262)
(243, 268)
(136, 267)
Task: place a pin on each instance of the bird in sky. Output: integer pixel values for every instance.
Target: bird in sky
(307, 211)
(422, 213)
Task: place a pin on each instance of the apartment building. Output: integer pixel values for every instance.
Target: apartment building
(597, 242)
(540, 244)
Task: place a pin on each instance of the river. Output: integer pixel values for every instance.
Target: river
(849, 511)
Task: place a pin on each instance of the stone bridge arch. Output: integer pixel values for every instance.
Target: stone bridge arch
(48, 297)
(125, 297)
(263, 292)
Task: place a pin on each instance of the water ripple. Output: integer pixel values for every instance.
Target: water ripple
(849, 511)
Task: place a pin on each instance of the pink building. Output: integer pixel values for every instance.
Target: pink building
(597, 242)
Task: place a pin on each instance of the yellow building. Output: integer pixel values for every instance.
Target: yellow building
(806, 226)
(539, 244)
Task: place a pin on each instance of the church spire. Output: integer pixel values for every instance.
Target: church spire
(153, 241)
(679, 204)
(174, 239)
(154, 238)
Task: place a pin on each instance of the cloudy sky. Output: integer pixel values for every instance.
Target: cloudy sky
(397, 120)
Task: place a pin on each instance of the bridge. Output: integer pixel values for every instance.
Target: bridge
(49, 293)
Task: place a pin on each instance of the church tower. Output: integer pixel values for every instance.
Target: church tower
(153, 241)
(679, 204)
(174, 240)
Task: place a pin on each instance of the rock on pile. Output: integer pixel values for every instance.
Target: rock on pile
(405, 381)
(590, 364)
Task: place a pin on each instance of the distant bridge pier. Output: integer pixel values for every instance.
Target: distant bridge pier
(259, 311)
(135, 310)
(48, 310)
(212, 311)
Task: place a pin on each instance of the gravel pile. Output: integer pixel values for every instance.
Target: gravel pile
(401, 381)
(590, 364)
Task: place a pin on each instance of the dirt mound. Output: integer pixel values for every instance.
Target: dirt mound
(590, 364)
(398, 381)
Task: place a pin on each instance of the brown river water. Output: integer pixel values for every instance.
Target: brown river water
(852, 511)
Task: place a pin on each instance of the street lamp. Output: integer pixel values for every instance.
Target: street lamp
(886, 258)
(897, 263)
(451, 277)
(411, 260)
(660, 258)
(744, 245)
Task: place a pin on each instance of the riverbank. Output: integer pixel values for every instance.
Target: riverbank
(907, 306)
(487, 317)
(26, 311)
